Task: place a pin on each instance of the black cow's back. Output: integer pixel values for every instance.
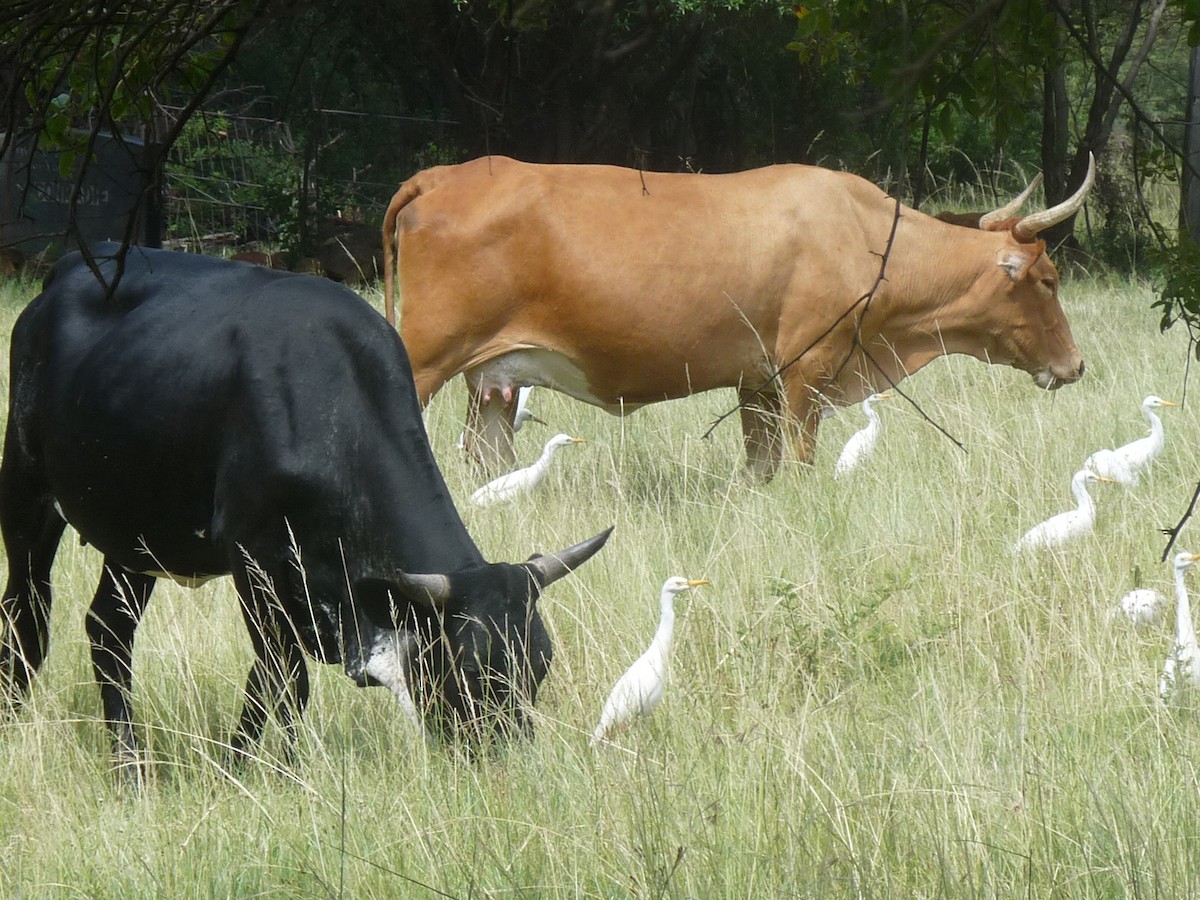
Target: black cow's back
(181, 417)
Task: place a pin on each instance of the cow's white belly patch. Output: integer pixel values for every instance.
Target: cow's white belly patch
(537, 367)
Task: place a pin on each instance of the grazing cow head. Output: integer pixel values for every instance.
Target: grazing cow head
(1014, 307)
(474, 649)
(1036, 336)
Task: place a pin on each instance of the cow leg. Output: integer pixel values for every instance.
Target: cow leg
(762, 430)
(805, 413)
(278, 681)
(488, 435)
(31, 528)
(117, 608)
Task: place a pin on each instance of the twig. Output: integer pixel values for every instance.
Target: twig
(856, 343)
(1173, 533)
(924, 415)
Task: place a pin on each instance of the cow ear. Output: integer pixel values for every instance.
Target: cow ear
(1016, 260)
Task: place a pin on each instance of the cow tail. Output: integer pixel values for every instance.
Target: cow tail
(407, 192)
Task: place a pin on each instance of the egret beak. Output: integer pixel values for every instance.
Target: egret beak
(576, 440)
(697, 582)
(1101, 478)
(1169, 403)
(533, 418)
(884, 395)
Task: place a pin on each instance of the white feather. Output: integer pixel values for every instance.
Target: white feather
(862, 443)
(1066, 525)
(509, 487)
(1182, 668)
(641, 688)
(1142, 607)
(1124, 464)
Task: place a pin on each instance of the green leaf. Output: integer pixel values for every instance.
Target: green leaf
(66, 164)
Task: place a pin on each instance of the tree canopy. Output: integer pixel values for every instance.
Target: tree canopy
(913, 93)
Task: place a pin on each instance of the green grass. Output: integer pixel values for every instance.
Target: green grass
(871, 699)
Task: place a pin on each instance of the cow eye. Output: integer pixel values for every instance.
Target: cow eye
(1049, 282)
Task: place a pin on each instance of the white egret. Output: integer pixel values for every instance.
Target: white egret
(1066, 525)
(862, 442)
(640, 689)
(1182, 668)
(1124, 463)
(524, 413)
(520, 417)
(1142, 607)
(508, 487)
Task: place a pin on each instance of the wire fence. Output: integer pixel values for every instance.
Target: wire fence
(242, 177)
(218, 178)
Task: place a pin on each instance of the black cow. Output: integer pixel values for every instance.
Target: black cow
(211, 417)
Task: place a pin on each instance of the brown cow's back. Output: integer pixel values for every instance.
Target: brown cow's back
(622, 288)
(635, 277)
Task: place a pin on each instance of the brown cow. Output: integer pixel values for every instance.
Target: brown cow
(622, 287)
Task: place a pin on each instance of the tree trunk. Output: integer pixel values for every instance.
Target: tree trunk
(1055, 138)
(1189, 212)
(1108, 94)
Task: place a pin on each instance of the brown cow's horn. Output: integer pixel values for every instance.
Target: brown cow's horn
(1028, 227)
(435, 587)
(1008, 210)
(553, 566)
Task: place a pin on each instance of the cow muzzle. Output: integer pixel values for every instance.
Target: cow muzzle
(1054, 377)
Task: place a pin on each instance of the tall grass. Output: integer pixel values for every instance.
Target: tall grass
(872, 698)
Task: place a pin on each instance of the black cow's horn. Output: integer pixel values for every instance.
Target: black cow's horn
(553, 566)
(1008, 210)
(1028, 227)
(435, 587)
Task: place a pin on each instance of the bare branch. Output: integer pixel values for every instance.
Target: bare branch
(856, 343)
(1173, 533)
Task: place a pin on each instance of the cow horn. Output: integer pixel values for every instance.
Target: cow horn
(553, 566)
(1008, 210)
(1028, 227)
(435, 587)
